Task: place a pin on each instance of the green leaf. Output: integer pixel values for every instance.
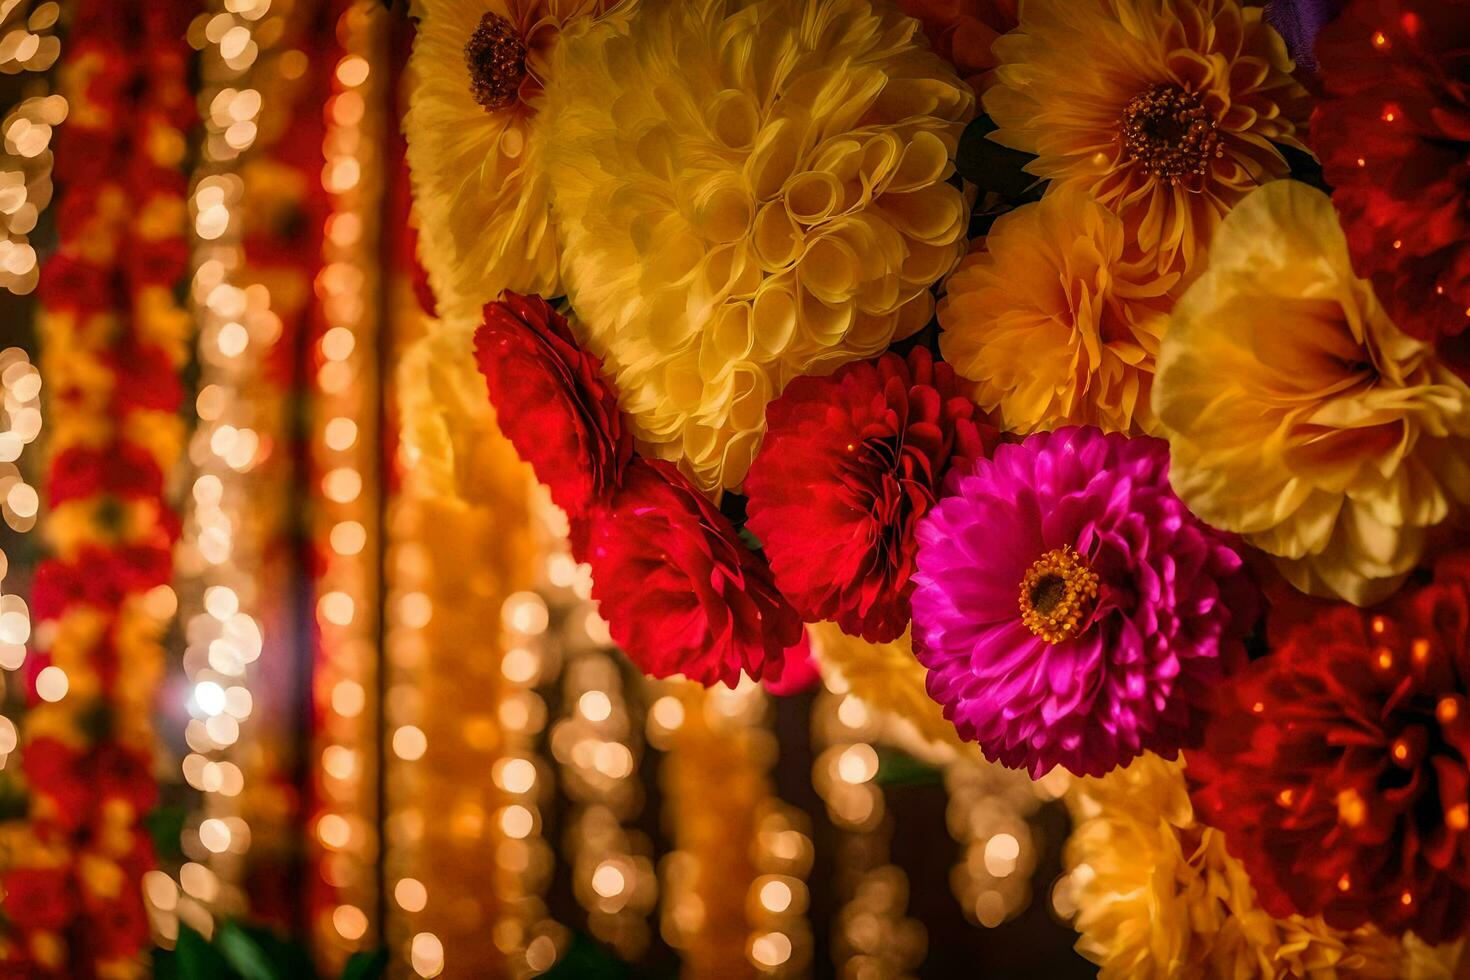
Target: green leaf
(246, 954)
(586, 959)
(165, 825)
(901, 769)
(366, 965)
(990, 166)
(197, 960)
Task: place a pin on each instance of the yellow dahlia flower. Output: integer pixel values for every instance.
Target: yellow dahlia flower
(1165, 109)
(1058, 319)
(475, 85)
(1159, 898)
(1298, 415)
(748, 191)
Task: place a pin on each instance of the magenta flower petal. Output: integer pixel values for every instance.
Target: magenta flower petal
(1069, 609)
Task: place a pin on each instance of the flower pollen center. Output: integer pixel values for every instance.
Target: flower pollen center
(1058, 593)
(1167, 130)
(496, 58)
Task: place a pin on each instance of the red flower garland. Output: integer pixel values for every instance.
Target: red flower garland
(1393, 133)
(113, 343)
(1337, 765)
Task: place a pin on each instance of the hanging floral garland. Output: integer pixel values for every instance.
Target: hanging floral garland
(1067, 460)
(113, 342)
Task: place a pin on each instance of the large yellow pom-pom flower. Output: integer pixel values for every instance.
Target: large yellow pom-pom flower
(1298, 415)
(475, 85)
(748, 191)
(1165, 109)
(1159, 897)
(1058, 319)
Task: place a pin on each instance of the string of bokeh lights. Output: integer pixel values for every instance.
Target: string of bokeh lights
(345, 483)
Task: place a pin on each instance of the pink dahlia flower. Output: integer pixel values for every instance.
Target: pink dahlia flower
(1069, 609)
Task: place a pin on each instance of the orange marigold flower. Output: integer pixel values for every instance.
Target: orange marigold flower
(1165, 109)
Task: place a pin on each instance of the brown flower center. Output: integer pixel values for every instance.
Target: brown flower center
(496, 57)
(1167, 130)
(1057, 593)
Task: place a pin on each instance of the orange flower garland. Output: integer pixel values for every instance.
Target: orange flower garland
(113, 343)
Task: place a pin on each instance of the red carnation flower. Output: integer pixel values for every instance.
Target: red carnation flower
(1337, 765)
(1393, 133)
(552, 402)
(849, 464)
(680, 593)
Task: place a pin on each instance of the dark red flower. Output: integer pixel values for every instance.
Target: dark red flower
(123, 469)
(962, 31)
(69, 282)
(849, 464)
(1337, 765)
(680, 593)
(148, 379)
(552, 402)
(103, 577)
(39, 898)
(1393, 134)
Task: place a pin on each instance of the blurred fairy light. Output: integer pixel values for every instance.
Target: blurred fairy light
(874, 935)
(990, 815)
(524, 931)
(219, 555)
(597, 743)
(20, 425)
(28, 45)
(346, 491)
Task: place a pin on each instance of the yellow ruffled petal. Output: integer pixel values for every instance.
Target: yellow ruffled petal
(1057, 320)
(718, 240)
(1160, 898)
(1298, 415)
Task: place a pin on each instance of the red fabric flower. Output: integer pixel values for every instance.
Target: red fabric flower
(962, 32)
(849, 464)
(1337, 765)
(552, 402)
(680, 593)
(1393, 133)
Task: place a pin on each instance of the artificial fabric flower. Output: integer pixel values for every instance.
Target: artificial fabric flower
(1337, 767)
(849, 464)
(718, 242)
(1069, 608)
(681, 594)
(1057, 319)
(962, 32)
(476, 80)
(1167, 110)
(886, 678)
(1298, 415)
(1393, 132)
(1160, 898)
(552, 402)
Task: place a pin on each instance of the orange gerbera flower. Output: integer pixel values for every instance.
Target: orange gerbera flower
(1165, 109)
